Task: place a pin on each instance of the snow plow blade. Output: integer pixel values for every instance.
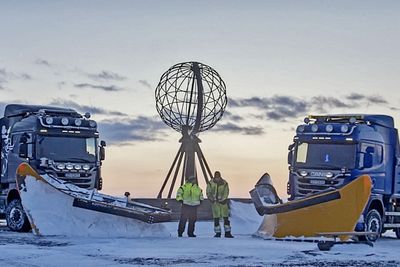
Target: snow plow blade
(337, 210)
(53, 205)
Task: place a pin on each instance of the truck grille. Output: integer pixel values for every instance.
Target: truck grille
(85, 180)
(310, 185)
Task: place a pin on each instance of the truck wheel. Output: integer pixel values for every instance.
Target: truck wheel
(373, 223)
(16, 217)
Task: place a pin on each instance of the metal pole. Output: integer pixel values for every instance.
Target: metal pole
(204, 160)
(169, 173)
(175, 175)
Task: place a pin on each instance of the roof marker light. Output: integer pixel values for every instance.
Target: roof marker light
(344, 128)
(78, 122)
(314, 128)
(92, 124)
(329, 128)
(49, 120)
(64, 121)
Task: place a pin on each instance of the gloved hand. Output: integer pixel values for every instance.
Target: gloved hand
(223, 201)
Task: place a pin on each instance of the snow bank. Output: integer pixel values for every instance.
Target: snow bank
(244, 218)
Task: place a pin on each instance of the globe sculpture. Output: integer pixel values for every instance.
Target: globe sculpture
(190, 98)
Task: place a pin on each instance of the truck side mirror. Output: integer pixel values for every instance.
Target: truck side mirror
(102, 150)
(290, 157)
(290, 154)
(23, 147)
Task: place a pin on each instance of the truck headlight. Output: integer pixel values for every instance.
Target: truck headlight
(69, 166)
(86, 167)
(64, 121)
(303, 173)
(49, 120)
(344, 128)
(77, 167)
(329, 175)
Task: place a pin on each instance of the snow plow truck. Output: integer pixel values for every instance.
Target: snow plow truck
(53, 140)
(330, 151)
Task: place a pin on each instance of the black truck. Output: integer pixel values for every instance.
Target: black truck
(53, 140)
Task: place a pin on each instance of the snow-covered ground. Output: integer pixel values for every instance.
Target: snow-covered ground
(25, 249)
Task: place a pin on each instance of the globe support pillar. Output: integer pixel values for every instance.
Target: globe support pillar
(188, 152)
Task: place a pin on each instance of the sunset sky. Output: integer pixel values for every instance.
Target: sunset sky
(280, 60)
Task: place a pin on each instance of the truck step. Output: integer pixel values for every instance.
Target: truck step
(392, 213)
(391, 225)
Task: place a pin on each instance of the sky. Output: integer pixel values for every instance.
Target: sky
(280, 60)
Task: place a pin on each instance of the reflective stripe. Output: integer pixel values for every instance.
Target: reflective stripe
(217, 229)
(227, 228)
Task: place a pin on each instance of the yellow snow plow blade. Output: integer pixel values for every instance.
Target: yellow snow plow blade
(333, 211)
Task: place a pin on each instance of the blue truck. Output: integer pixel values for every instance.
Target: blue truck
(332, 150)
(53, 140)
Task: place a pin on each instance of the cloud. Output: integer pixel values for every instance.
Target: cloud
(234, 128)
(355, 96)
(107, 88)
(6, 76)
(128, 131)
(106, 76)
(42, 62)
(234, 117)
(377, 99)
(86, 108)
(145, 83)
(281, 108)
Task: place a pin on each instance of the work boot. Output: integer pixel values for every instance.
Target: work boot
(191, 235)
(228, 235)
(179, 235)
(217, 235)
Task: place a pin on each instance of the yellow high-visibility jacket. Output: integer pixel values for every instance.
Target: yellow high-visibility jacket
(217, 193)
(190, 194)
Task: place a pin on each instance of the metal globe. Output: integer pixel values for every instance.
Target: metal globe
(191, 97)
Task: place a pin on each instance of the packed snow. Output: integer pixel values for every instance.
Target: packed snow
(52, 213)
(25, 249)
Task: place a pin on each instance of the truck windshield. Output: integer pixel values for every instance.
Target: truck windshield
(326, 156)
(74, 149)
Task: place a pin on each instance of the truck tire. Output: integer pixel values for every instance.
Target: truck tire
(373, 223)
(16, 217)
(397, 231)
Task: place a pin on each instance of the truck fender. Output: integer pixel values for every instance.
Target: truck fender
(375, 202)
(12, 194)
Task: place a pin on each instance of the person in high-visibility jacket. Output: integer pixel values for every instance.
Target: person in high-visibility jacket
(217, 193)
(190, 195)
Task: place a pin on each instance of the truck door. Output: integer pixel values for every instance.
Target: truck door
(13, 158)
(371, 163)
(396, 176)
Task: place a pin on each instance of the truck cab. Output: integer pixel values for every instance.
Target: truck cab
(330, 151)
(55, 141)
